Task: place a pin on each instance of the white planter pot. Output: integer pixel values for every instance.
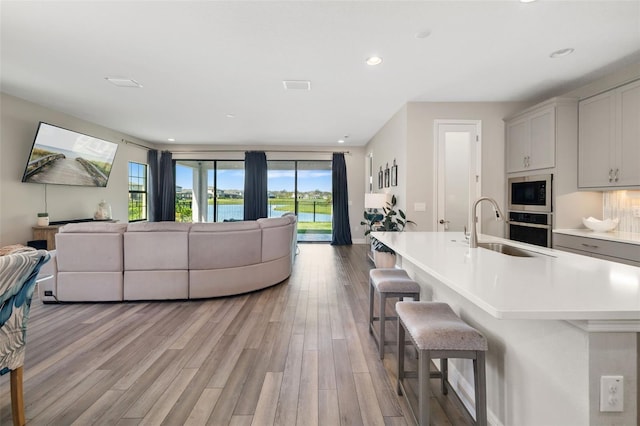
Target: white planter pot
(384, 259)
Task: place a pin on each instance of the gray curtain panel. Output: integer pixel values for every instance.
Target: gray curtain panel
(255, 185)
(167, 188)
(153, 194)
(341, 234)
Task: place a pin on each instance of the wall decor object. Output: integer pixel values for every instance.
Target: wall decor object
(394, 173)
(380, 179)
(386, 176)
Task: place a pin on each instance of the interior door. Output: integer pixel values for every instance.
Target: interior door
(458, 177)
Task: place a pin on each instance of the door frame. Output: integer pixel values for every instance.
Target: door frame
(476, 190)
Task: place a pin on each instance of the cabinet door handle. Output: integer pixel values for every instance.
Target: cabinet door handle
(589, 246)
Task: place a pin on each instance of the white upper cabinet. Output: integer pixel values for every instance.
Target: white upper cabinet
(531, 140)
(609, 139)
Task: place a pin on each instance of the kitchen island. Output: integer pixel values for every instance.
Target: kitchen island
(555, 322)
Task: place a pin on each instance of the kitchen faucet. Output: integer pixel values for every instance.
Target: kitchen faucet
(473, 241)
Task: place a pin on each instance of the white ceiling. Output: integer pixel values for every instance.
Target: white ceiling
(201, 60)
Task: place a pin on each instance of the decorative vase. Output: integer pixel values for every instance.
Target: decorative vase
(103, 212)
(383, 259)
(43, 219)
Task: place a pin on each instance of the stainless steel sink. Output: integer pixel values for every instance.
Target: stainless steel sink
(506, 249)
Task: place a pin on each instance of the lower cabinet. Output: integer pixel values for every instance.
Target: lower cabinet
(601, 249)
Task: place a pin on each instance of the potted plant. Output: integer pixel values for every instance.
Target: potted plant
(390, 221)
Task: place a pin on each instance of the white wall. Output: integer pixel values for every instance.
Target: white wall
(388, 144)
(409, 137)
(20, 202)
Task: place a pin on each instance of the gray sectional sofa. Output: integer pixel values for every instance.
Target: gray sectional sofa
(167, 260)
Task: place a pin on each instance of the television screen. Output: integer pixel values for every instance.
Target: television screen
(64, 157)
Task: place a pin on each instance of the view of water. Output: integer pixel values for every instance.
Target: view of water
(236, 212)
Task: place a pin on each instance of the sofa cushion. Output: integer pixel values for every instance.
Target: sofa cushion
(273, 222)
(224, 226)
(89, 252)
(158, 226)
(94, 227)
(277, 237)
(90, 286)
(224, 249)
(157, 250)
(156, 285)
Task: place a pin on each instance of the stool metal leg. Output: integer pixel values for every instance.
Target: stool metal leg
(424, 361)
(444, 371)
(381, 314)
(400, 356)
(371, 296)
(481, 388)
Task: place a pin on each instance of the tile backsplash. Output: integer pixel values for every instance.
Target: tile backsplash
(623, 205)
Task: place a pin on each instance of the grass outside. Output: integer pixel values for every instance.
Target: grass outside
(314, 227)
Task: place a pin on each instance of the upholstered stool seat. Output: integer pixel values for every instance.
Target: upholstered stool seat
(438, 333)
(388, 282)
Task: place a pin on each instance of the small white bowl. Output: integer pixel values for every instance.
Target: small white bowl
(600, 225)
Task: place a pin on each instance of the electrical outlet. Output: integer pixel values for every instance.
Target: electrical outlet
(636, 211)
(611, 393)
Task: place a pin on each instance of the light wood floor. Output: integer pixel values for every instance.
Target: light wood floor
(298, 353)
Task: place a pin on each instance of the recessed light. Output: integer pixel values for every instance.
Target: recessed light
(123, 82)
(231, 116)
(562, 52)
(340, 140)
(171, 139)
(527, 1)
(374, 60)
(423, 34)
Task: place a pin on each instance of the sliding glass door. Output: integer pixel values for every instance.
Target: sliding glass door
(213, 191)
(304, 188)
(209, 191)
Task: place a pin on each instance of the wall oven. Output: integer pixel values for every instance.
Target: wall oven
(530, 193)
(530, 209)
(531, 228)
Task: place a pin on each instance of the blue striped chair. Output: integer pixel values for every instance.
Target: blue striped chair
(18, 272)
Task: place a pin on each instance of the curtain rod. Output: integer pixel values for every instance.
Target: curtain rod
(128, 142)
(266, 150)
(139, 145)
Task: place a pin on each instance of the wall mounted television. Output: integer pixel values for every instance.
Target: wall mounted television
(64, 157)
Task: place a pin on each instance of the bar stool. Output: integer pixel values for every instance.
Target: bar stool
(388, 282)
(438, 333)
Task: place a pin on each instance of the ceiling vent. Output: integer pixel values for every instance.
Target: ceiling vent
(297, 85)
(123, 82)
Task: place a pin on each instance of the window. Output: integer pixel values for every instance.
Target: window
(137, 191)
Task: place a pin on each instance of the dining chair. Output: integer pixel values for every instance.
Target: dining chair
(18, 273)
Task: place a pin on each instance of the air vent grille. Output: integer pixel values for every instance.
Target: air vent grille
(297, 85)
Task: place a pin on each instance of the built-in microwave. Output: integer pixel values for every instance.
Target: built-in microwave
(530, 193)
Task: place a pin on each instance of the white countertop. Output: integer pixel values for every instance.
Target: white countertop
(553, 285)
(616, 236)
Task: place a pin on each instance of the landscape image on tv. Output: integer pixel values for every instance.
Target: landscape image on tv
(64, 157)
